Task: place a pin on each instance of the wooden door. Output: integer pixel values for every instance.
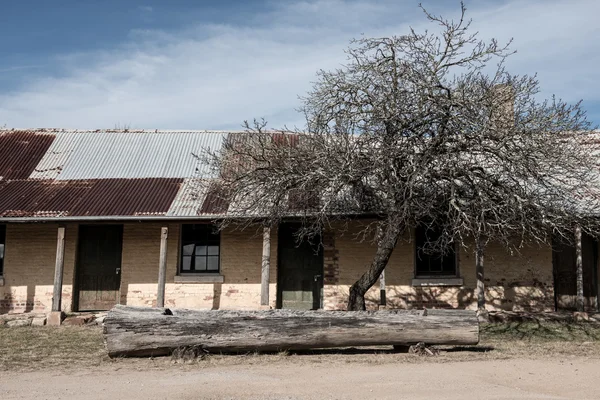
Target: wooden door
(99, 266)
(565, 273)
(300, 271)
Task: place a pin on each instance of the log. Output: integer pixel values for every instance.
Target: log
(137, 331)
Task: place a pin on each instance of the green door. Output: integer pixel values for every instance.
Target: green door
(99, 266)
(300, 270)
(565, 273)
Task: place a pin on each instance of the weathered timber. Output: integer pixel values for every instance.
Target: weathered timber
(579, 265)
(58, 270)
(162, 267)
(136, 331)
(266, 265)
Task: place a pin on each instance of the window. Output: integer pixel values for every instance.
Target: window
(200, 249)
(433, 264)
(2, 242)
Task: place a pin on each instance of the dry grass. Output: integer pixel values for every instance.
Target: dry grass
(28, 348)
(34, 348)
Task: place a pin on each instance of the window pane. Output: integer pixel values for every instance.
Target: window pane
(188, 249)
(186, 263)
(200, 244)
(200, 250)
(213, 263)
(433, 263)
(449, 263)
(200, 263)
(436, 263)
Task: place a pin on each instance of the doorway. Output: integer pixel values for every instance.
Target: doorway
(99, 266)
(300, 270)
(565, 273)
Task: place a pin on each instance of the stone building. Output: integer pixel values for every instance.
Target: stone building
(100, 207)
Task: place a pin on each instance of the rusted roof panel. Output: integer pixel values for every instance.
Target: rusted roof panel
(21, 151)
(77, 198)
(57, 173)
(216, 201)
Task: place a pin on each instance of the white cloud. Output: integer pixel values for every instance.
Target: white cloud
(215, 76)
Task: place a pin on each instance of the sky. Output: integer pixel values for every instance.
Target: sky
(197, 64)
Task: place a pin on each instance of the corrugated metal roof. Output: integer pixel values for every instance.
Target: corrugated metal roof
(128, 155)
(84, 198)
(53, 162)
(53, 173)
(20, 152)
(190, 198)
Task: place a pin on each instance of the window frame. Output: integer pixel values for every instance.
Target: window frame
(430, 276)
(207, 243)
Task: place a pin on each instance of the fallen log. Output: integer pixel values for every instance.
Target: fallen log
(137, 331)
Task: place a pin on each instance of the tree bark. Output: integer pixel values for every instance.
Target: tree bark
(382, 295)
(479, 255)
(388, 236)
(137, 331)
(579, 269)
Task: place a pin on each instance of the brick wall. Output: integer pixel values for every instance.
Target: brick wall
(29, 261)
(31, 253)
(514, 282)
(241, 257)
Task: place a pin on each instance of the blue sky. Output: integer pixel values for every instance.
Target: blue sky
(212, 64)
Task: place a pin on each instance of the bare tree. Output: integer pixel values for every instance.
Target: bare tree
(420, 129)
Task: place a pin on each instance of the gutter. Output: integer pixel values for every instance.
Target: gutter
(141, 218)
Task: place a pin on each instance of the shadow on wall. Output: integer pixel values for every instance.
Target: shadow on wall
(28, 298)
(516, 297)
(423, 297)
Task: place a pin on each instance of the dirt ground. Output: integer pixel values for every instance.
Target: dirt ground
(576, 378)
(513, 361)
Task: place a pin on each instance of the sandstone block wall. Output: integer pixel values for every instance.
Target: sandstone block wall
(514, 282)
(31, 254)
(29, 260)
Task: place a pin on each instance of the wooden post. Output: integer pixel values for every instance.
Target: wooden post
(266, 266)
(382, 298)
(579, 268)
(162, 267)
(58, 270)
(480, 275)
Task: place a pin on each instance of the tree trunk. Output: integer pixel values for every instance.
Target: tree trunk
(388, 236)
(479, 252)
(579, 269)
(137, 331)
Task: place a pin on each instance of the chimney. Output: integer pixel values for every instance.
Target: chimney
(502, 106)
